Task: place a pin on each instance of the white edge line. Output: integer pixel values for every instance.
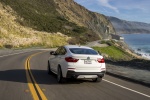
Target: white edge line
(127, 88)
(20, 53)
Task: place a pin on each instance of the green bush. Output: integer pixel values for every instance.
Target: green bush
(113, 53)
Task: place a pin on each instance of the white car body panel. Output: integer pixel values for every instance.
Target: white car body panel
(79, 66)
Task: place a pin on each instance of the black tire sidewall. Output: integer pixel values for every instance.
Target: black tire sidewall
(59, 75)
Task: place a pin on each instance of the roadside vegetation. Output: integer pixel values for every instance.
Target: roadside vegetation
(41, 16)
(112, 52)
(14, 35)
(116, 55)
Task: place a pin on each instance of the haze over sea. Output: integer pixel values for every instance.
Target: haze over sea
(139, 43)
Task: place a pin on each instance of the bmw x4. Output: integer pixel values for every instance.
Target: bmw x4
(79, 62)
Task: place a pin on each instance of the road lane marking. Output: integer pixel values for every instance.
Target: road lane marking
(36, 91)
(127, 88)
(31, 87)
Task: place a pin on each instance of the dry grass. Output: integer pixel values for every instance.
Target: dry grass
(12, 33)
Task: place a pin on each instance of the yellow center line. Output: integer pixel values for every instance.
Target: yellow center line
(31, 81)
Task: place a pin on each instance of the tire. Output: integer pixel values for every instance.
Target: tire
(49, 69)
(60, 78)
(99, 79)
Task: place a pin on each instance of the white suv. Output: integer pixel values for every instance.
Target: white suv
(72, 61)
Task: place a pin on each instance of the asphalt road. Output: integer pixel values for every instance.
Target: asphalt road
(24, 77)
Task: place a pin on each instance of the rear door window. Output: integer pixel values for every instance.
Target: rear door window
(61, 51)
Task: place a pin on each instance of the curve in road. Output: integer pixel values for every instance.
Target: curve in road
(14, 84)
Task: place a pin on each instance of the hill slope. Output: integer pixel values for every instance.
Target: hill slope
(123, 26)
(52, 16)
(12, 34)
(74, 12)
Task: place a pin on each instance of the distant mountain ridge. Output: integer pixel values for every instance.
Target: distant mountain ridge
(123, 26)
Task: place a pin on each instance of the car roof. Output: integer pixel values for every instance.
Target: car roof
(76, 46)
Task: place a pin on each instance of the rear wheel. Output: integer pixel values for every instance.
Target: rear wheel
(60, 78)
(49, 69)
(98, 79)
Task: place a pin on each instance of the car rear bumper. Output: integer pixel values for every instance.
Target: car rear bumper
(73, 74)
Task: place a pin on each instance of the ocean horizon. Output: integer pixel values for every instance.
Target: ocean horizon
(139, 43)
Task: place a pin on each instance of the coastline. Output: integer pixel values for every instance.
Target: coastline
(132, 52)
(137, 44)
(135, 70)
(131, 71)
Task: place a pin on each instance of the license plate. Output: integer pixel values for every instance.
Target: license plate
(87, 62)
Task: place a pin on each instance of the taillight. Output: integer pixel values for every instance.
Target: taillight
(101, 60)
(70, 59)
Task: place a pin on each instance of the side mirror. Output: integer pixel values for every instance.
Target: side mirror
(52, 53)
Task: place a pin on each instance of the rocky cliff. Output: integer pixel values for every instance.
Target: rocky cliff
(74, 12)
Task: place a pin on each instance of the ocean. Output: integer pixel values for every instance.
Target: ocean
(139, 43)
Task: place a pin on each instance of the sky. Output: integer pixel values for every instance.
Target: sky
(130, 10)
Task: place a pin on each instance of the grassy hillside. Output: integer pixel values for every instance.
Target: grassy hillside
(38, 14)
(41, 15)
(12, 34)
(117, 56)
(113, 52)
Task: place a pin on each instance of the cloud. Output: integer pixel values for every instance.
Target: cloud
(106, 3)
(142, 5)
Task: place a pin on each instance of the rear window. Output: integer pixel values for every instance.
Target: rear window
(83, 51)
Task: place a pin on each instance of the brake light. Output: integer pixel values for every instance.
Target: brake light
(101, 60)
(70, 59)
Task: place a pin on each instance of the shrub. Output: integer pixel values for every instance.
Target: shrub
(113, 53)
